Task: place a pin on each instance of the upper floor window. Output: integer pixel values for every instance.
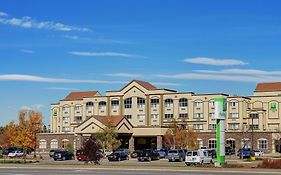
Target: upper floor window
(233, 104)
(233, 126)
(115, 104)
(90, 106)
(128, 103)
(183, 115)
(140, 102)
(168, 103)
(154, 102)
(198, 115)
(78, 108)
(233, 115)
(183, 102)
(55, 112)
(254, 115)
(197, 126)
(102, 105)
(212, 104)
(198, 104)
(65, 108)
(167, 116)
(128, 116)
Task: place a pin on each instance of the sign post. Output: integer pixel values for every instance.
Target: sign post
(220, 116)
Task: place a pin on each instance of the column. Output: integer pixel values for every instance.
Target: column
(131, 144)
(159, 142)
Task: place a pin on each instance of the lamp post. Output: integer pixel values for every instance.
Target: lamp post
(252, 145)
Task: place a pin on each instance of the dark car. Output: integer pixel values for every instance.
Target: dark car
(212, 153)
(229, 150)
(163, 152)
(63, 155)
(176, 155)
(118, 156)
(149, 155)
(135, 153)
(51, 152)
(245, 153)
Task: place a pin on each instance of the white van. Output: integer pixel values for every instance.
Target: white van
(200, 156)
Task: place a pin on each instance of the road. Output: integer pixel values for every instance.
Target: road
(70, 170)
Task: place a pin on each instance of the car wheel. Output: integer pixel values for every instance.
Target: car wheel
(202, 162)
(63, 158)
(119, 159)
(149, 159)
(187, 164)
(127, 158)
(180, 159)
(211, 162)
(72, 158)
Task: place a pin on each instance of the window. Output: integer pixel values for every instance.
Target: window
(183, 102)
(54, 144)
(141, 117)
(65, 109)
(212, 104)
(273, 106)
(65, 118)
(154, 103)
(102, 105)
(233, 104)
(197, 126)
(114, 104)
(233, 126)
(233, 115)
(65, 129)
(78, 118)
(198, 115)
(183, 115)
(200, 143)
(169, 116)
(253, 126)
(212, 143)
(168, 103)
(254, 116)
(140, 102)
(212, 115)
(262, 144)
(198, 104)
(42, 144)
(128, 116)
(128, 103)
(212, 126)
(230, 143)
(65, 142)
(154, 116)
(78, 108)
(89, 106)
(55, 112)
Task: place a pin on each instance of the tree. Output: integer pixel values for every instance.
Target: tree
(108, 137)
(69, 148)
(90, 149)
(178, 137)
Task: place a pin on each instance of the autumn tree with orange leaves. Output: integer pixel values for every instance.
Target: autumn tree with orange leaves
(177, 137)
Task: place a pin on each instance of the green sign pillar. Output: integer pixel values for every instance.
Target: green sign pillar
(220, 116)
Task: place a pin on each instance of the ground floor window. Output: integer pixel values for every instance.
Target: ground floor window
(212, 143)
(65, 142)
(230, 143)
(54, 144)
(42, 144)
(262, 144)
(200, 143)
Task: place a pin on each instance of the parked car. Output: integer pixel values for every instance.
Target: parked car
(149, 155)
(125, 150)
(16, 153)
(51, 152)
(118, 156)
(11, 149)
(107, 152)
(212, 153)
(163, 152)
(245, 153)
(229, 150)
(176, 155)
(258, 153)
(135, 153)
(63, 155)
(198, 157)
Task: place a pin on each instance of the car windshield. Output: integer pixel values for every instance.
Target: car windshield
(191, 153)
(173, 151)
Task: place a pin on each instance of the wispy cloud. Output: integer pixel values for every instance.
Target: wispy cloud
(27, 51)
(166, 84)
(75, 37)
(95, 40)
(216, 77)
(62, 88)
(35, 107)
(105, 54)
(214, 61)
(29, 22)
(32, 78)
(127, 75)
(240, 71)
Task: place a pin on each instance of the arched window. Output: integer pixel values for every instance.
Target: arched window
(154, 102)
(102, 105)
(65, 142)
(114, 103)
(54, 144)
(42, 144)
(231, 143)
(140, 102)
(212, 143)
(183, 102)
(128, 103)
(90, 106)
(169, 102)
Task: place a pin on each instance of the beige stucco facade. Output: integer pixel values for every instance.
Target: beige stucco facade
(148, 112)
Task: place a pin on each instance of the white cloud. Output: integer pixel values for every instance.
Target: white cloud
(215, 62)
(236, 78)
(127, 75)
(75, 37)
(35, 107)
(3, 14)
(62, 88)
(27, 51)
(95, 40)
(104, 54)
(165, 84)
(32, 78)
(28, 22)
(240, 71)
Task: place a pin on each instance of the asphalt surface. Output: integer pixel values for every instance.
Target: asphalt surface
(68, 170)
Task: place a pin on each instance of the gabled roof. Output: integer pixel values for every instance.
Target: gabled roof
(275, 86)
(145, 84)
(114, 119)
(80, 95)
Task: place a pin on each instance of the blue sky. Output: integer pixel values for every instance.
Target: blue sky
(50, 48)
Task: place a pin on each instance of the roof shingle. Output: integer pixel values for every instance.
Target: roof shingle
(80, 95)
(114, 119)
(275, 86)
(145, 84)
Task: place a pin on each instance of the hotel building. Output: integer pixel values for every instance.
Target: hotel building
(142, 113)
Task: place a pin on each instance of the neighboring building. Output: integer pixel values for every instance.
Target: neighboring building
(141, 114)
